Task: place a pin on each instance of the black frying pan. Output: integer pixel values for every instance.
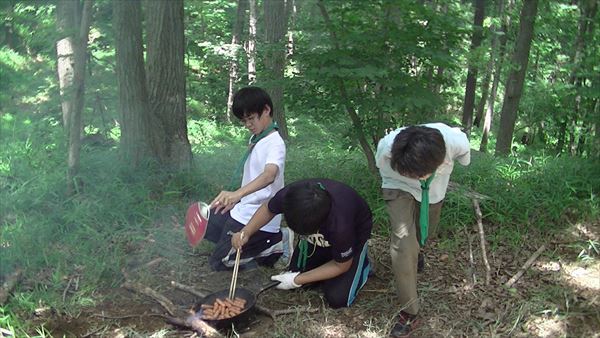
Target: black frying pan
(249, 296)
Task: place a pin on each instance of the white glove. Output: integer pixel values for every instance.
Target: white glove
(287, 280)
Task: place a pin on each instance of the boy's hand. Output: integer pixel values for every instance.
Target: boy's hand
(287, 280)
(238, 240)
(225, 201)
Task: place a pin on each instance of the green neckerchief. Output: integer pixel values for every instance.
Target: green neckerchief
(237, 175)
(424, 211)
(303, 254)
(303, 245)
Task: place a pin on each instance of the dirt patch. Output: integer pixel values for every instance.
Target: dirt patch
(544, 302)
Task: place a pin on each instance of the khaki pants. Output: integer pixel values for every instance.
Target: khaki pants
(403, 210)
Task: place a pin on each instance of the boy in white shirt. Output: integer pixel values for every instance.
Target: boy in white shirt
(415, 164)
(263, 168)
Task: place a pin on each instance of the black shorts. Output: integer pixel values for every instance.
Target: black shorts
(263, 247)
(339, 291)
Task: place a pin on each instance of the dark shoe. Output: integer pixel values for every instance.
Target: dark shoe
(420, 263)
(405, 324)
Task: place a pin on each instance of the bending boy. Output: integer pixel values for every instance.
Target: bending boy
(415, 164)
(263, 167)
(336, 223)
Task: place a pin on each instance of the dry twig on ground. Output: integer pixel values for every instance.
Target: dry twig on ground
(162, 300)
(488, 270)
(525, 266)
(471, 260)
(188, 289)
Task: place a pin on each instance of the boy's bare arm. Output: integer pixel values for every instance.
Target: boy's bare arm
(262, 216)
(326, 271)
(226, 200)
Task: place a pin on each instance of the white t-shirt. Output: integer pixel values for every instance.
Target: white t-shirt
(271, 149)
(457, 148)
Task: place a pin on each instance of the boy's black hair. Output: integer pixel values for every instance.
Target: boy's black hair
(306, 206)
(418, 151)
(250, 100)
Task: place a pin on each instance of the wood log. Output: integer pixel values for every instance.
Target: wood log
(162, 300)
(189, 289)
(525, 266)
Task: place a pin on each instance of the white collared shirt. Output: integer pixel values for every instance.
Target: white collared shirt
(457, 148)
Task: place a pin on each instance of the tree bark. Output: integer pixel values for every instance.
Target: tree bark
(66, 13)
(251, 52)
(356, 122)
(166, 81)
(73, 25)
(469, 102)
(235, 47)
(275, 32)
(516, 77)
(498, 61)
(131, 77)
(588, 10)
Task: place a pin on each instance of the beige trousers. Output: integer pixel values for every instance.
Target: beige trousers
(403, 210)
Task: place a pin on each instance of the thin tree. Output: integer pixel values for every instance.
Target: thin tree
(485, 84)
(497, 59)
(166, 81)
(74, 23)
(75, 122)
(356, 122)
(66, 14)
(235, 47)
(251, 51)
(469, 102)
(275, 57)
(516, 77)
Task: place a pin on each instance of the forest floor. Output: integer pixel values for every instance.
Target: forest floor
(557, 296)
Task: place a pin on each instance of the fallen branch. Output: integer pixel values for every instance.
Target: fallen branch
(9, 284)
(488, 270)
(64, 295)
(188, 289)
(525, 266)
(202, 327)
(273, 313)
(162, 300)
(471, 260)
(196, 324)
(303, 309)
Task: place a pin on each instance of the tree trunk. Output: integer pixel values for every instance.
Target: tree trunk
(291, 11)
(516, 77)
(166, 81)
(497, 59)
(235, 47)
(485, 85)
(251, 42)
(73, 24)
(467, 118)
(275, 32)
(356, 122)
(131, 77)
(66, 14)
(586, 20)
